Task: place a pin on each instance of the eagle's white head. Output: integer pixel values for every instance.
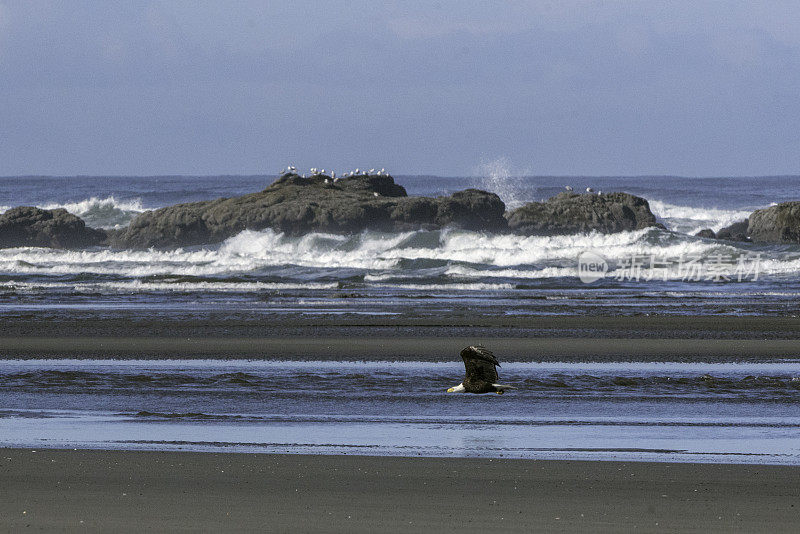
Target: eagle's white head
(457, 389)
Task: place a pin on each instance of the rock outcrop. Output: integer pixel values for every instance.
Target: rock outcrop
(735, 232)
(296, 205)
(776, 224)
(569, 213)
(706, 233)
(27, 226)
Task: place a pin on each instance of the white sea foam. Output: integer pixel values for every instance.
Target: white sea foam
(388, 258)
(450, 287)
(690, 220)
(462, 271)
(513, 250)
(89, 204)
(139, 286)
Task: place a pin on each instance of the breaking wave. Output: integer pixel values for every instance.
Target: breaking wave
(102, 212)
(410, 258)
(690, 220)
(96, 212)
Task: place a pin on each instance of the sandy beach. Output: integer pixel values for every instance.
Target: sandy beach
(134, 491)
(545, 338)
(137, 490)
(401, 349)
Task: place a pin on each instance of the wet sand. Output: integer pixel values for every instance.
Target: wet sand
(402, 349)
(547, 338)
(168, 491)
(182, 324)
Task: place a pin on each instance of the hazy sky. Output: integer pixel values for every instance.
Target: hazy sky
(691, 88)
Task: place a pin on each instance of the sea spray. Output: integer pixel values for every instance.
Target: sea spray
(497, 179)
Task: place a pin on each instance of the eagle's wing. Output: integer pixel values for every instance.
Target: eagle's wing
(480, 363)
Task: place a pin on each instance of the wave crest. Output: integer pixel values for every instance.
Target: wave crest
(105, 212)
(690, 220)
(441, 257)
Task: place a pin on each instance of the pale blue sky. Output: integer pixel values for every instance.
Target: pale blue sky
(690, 88)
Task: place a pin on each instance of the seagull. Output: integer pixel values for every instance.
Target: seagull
(589, 190)
(481, 377)
(376, 194)
(568, 187)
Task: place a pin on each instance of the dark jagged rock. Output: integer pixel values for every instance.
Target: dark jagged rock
(735, 232)
(296, 205)
(776, 224)
(707, 233)
(569, 213)
(27, 226)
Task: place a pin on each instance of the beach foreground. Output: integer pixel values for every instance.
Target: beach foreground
(136, 490)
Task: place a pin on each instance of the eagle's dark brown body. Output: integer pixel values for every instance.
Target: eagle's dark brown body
(481, 375)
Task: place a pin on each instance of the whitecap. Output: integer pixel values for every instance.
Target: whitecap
(690, 219)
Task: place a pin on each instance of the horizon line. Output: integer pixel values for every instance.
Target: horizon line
(427, 175)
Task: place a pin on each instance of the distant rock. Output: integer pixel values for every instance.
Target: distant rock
(707, 233)
(735, 232)
(569, 213)
(296, 205)
(776, 224)
(28, 226)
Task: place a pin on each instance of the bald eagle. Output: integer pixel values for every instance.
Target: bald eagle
(481, 374)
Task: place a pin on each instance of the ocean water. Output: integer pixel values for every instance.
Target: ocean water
(648, 271)
(734, 412)
(711, 412)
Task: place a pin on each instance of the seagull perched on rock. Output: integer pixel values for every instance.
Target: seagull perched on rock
(589, 190)
(376, 194)
(568, 188)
